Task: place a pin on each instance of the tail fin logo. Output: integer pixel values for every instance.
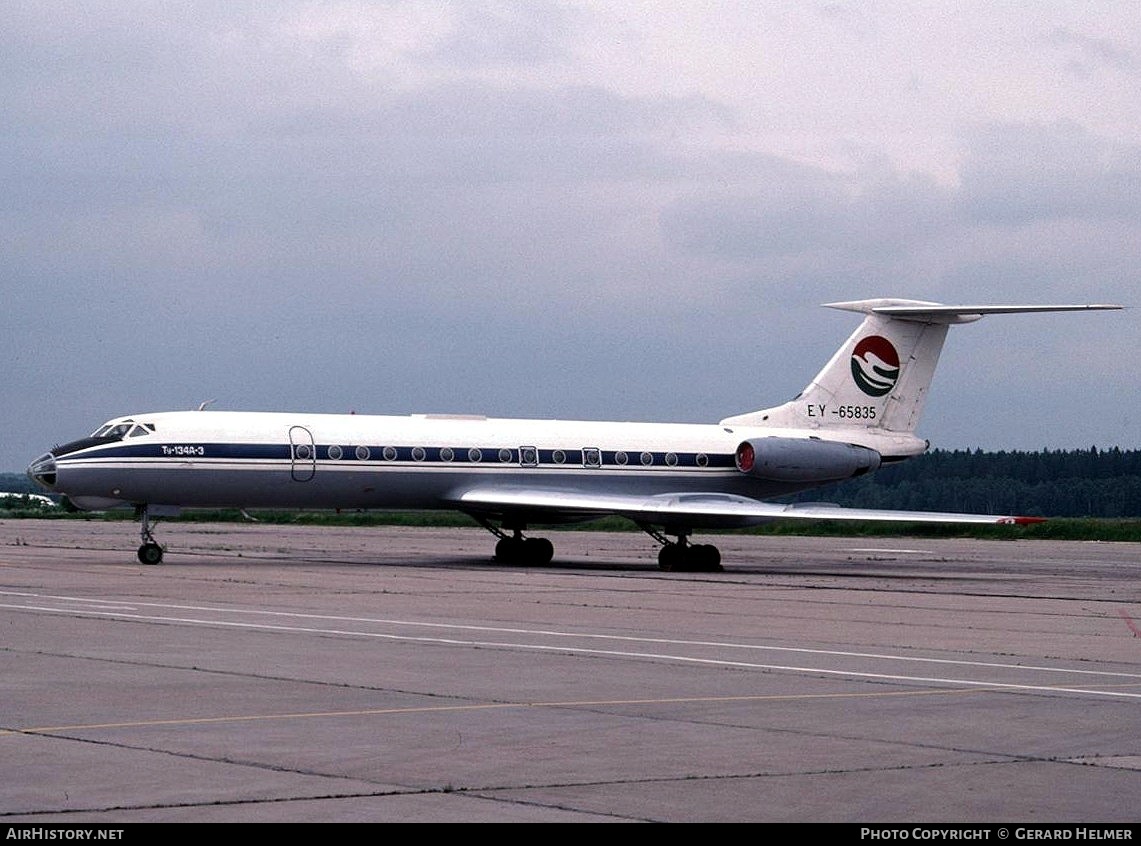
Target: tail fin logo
(875, 366)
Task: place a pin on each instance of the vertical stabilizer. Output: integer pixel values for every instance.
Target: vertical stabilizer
(879, 379)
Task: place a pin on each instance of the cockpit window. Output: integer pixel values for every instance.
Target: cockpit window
(137, 430)
(116, 431)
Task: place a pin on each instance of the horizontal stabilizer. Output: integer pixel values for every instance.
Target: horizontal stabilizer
(879, 379)
(938, 313)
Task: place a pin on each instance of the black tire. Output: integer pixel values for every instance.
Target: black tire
(538, 551)
(507, 551)
(706, 558)
(150, 554)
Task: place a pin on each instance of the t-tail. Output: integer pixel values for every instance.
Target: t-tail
(879, 379)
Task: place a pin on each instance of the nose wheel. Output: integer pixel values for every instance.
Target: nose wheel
(150, 552)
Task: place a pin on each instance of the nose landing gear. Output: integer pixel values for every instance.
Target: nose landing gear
(150, 552)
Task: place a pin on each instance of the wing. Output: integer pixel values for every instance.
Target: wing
(686, 510)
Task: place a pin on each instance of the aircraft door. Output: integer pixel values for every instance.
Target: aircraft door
(302, 454)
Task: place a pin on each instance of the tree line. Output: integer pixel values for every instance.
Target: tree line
(1051, 483)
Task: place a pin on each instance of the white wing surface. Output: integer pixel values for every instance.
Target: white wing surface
(693, 510)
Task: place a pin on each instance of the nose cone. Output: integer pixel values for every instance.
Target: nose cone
(42, 471)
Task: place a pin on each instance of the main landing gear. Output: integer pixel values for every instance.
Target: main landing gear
(681, 556)
(516, 549)
(527, 551)
(150, 552)
(678, 556)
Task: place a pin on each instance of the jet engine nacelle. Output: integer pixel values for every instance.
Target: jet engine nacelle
(804, 459)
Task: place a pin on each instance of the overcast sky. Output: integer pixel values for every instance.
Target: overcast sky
(562, 209)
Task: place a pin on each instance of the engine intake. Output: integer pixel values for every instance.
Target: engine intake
(804, 459)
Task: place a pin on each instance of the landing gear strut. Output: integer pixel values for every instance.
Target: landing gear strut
(681, 556)
(150, 552)
(516, 549)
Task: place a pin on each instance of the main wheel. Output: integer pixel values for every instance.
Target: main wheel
(671, 557)
(538, 551)
(509, 551)
(150, 553)
(706, 558)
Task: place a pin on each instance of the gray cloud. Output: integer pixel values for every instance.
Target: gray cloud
(404, 207)
(1019, 174)
(1089, 49)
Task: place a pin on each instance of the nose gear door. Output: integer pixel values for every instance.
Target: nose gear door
(302, 454)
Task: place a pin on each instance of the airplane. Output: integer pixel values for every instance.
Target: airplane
(858, 414)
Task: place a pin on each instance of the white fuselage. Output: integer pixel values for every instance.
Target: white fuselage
(254, 459)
